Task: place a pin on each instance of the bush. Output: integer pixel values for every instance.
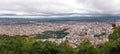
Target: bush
(115, 35)
(15, 44)
(87, 48)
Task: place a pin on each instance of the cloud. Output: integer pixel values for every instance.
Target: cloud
(105, 6)
(52, 7)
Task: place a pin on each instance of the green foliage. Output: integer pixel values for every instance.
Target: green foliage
(113, 46)
(115, 35)
(104, 48)
(65, 49)
(15, 44)
(110, 47)
(52, 34)
(87, 48)
(24, 45)
(44, 48)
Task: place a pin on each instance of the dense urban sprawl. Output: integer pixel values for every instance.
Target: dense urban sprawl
(77, 30)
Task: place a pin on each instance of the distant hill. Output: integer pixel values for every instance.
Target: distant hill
(27, 20)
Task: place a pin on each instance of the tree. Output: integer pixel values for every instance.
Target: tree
(104, 48)
(46, 47)
(87, 48)
(115, 35)
(113, 46)
(66, 49)
(15, 44)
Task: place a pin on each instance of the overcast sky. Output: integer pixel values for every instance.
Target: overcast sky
(42, 7)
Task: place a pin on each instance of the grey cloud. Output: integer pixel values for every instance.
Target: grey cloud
(105, 6)
(61, 6)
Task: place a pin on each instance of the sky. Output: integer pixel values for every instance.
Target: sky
(59, 7)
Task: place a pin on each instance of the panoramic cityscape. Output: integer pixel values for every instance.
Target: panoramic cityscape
(77, 29)
(59, 27)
